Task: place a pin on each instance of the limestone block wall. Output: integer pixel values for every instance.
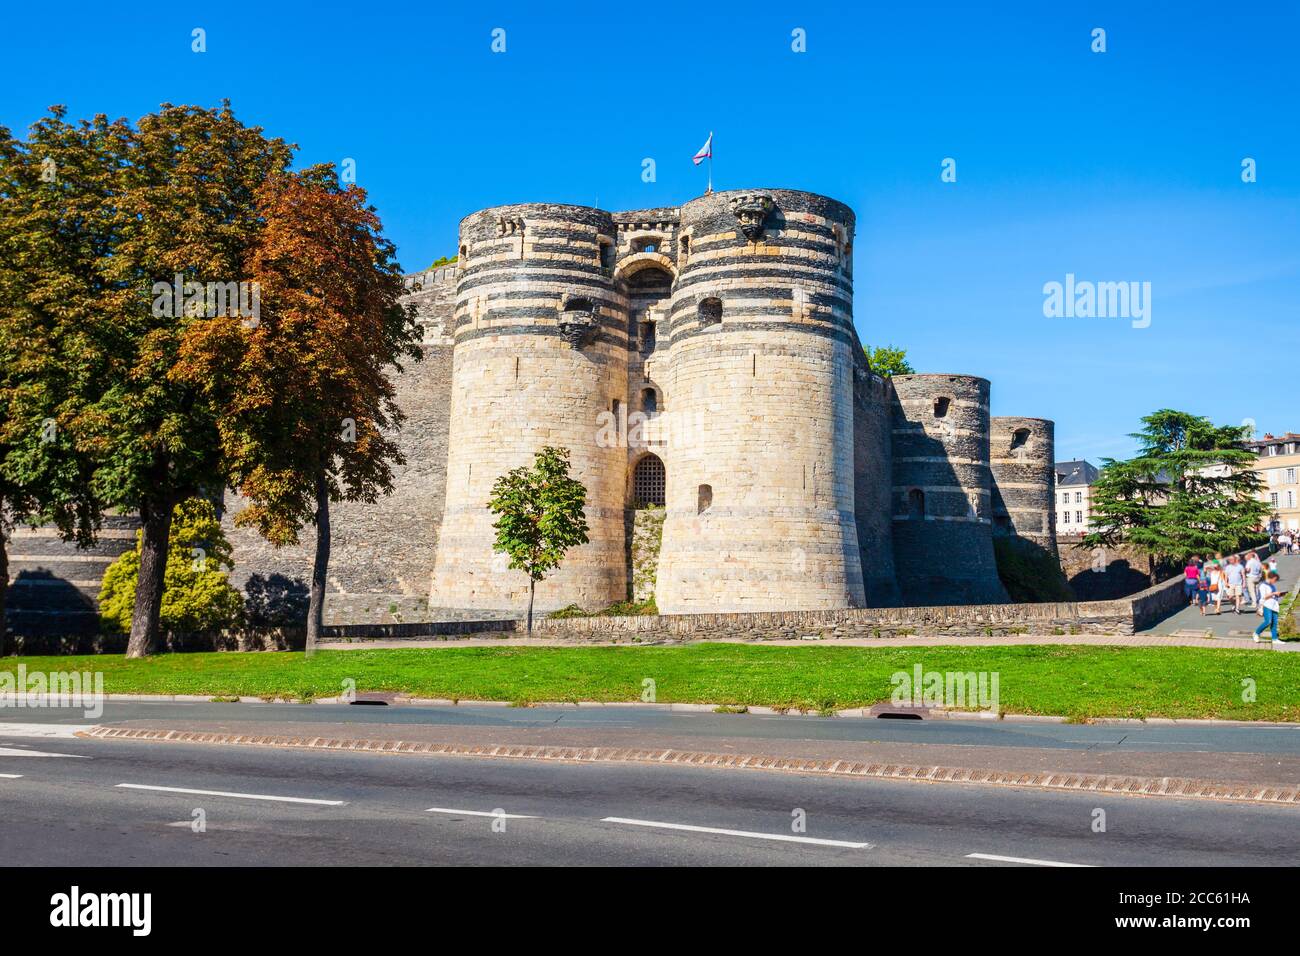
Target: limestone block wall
(1022, 460)
(540, 355)
(760, 504)
(942, 507)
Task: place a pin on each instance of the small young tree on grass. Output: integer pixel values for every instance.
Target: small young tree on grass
(541, 516)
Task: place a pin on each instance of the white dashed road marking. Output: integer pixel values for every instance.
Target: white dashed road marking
(479, 813)
(782, 837)
(1021, 859)
(237, 796)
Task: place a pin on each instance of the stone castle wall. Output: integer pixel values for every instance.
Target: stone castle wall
(872, 479)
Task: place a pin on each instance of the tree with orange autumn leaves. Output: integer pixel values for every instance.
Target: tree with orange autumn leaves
(305, 409)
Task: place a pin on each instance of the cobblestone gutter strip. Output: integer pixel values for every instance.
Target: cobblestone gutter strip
(1179, 787)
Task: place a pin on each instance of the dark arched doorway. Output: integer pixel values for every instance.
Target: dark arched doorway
(649, 481)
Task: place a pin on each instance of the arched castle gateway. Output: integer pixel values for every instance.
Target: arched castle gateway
(701, 366)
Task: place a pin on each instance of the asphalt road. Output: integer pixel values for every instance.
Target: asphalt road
(1219, 738)
(75, 802)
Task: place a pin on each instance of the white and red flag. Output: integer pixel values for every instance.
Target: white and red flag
(706, 151)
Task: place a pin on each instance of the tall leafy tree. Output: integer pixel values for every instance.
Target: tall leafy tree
(304, 405)
(1189, 490)
(539, 516)
(184, 205)
(57, 234)
(888, 360)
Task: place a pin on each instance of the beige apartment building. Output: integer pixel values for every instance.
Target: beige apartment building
(1278, 467)
(1071, 492)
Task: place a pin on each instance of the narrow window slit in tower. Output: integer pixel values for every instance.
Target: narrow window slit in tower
(916, 503)
(704, 499)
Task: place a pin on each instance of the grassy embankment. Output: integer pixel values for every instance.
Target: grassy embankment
(1077, 681)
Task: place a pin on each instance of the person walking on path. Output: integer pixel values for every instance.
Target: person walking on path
(1203, 589)
(1217, 586)
(1191, 575)
(1269, 607)
(1235, 577)
(1254, 574)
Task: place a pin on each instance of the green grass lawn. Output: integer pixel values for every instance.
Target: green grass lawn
(1079, 682)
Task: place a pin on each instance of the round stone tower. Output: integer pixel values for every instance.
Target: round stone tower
(942, 507)
(760, 497)
(540, 358)
(1023, 459)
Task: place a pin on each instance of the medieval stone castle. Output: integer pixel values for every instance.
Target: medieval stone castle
(701, 366)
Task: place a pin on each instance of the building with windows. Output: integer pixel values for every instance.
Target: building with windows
(1071, 489)
(1278, 466)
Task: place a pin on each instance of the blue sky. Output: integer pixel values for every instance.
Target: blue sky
(1115, 166)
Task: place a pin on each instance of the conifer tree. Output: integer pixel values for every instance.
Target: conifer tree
(1189, 490)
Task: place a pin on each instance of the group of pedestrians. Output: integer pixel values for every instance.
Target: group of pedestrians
(1252, 583)
(1288, 542)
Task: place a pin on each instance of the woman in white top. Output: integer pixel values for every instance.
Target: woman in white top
(1269, 606)
(1217, 584)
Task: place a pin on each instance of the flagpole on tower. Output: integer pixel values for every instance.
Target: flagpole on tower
(706, 152)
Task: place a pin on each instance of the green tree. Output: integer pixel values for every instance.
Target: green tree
(888, 360)
(305, 411)
(56, 232)
(540, 516)
(1189, 490)
(197, 595)
(183, 204)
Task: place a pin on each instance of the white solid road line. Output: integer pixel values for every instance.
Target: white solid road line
(479, 813)
(42, 730)
(782, 837)
(11, 776)
(239, 796)
(1021, 859)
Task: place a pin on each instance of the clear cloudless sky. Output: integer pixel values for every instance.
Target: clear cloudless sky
(1115, 166)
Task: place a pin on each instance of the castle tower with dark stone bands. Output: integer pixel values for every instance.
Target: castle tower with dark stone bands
(1023, 457)
(942, 495)
(760, 504)
(540, 353)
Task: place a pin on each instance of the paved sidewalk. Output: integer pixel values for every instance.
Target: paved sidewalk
(1227, 624)
(1145, 639)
